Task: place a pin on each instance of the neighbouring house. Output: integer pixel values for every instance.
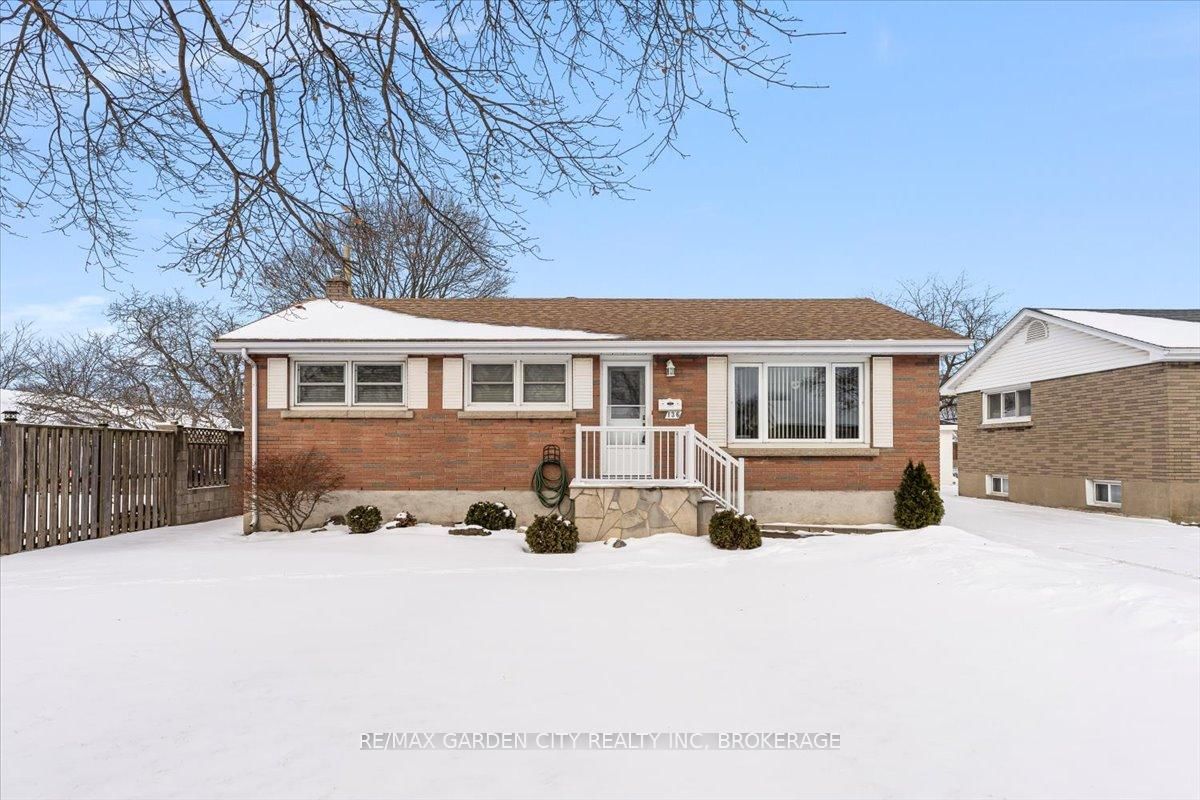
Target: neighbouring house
(1085, 408)
(791, 410)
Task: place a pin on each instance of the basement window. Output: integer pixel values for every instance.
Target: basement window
(1105, 494)
(997, 485)
(1012, 405)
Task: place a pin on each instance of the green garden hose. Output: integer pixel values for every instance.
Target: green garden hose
(550, 479)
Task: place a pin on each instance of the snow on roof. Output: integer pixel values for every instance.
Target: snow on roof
(1150, 328)
(330, 320)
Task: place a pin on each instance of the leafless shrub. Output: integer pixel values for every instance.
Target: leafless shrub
(288, 487)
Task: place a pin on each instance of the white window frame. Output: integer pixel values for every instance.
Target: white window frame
(1001, 420)
(354, 365)
(347, 363)
(1091, 492)
(518, 364)
(988, 485)
(829, 440)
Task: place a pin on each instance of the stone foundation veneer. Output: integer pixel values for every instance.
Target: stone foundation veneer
(627, 512)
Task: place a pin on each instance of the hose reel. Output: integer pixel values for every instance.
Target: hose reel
(550, 479)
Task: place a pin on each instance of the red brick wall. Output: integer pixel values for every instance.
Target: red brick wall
(437, 450)
(915, 419)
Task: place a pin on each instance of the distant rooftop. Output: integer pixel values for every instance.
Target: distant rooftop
(1162, 327)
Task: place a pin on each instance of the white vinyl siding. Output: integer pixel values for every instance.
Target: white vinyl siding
(277, 383)
(882, 427)
(718, 399)
(452, 383)
(1064, 352)
(581, 383)
(418, 383)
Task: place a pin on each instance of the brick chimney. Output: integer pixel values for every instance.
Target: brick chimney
(338, 288)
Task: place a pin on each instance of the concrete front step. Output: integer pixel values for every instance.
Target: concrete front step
(799, 530)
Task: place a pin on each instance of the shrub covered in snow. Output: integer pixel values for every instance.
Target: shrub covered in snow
(491, 515)
(288, 487)
(552, 533)
(730, 530)
(404, 520)
(364, 519)
(336, 519)
(917, 500)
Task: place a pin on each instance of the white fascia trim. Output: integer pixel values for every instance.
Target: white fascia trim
(604, 347)
(950, 387)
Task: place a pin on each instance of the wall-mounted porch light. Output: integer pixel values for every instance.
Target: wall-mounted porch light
(670, 368)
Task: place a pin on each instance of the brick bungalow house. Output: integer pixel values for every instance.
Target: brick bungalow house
(1093, 409)
(792, 410)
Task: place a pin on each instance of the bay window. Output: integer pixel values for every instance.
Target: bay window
(534, 382)
(780, 402)
(340, 383)
(1012, 405)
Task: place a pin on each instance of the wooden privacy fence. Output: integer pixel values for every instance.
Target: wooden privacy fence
(61, 484)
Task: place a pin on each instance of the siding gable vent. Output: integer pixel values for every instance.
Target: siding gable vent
(1036, 331)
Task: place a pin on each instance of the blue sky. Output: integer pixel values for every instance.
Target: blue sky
(1051, 150)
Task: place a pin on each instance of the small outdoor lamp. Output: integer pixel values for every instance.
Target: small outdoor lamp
(670, 368)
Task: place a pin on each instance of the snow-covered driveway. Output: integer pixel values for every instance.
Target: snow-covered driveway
(193, 662)
(1127, 546)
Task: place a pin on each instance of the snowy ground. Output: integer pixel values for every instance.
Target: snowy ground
(1046, 654)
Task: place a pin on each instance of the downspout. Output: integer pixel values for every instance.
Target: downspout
(246, 359)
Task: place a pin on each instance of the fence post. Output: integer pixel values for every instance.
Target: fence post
(104, 469)
(741, 481)
(690, 454)
(12, 486)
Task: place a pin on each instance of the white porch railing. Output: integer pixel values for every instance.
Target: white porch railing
(607, 455)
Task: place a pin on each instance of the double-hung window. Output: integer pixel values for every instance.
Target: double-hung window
(340, 383)
(535, 382)
(1011, 405)
(782, 402)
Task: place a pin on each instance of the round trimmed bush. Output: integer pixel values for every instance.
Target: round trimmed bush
(552, 534)
(364, 519)
(404, 520)
(730, 530)
(490, 515)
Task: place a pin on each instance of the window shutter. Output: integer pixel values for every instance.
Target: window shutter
(881, 401)
(718, 399)
(452, 383)
(581, 383)
(418, 383)
(277, 383)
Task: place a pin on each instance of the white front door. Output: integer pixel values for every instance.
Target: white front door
(626, 453)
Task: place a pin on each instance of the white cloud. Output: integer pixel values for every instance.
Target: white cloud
(73, 315)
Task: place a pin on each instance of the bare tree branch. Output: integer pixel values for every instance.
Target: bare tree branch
(400, 249)
(255, 124)
(957, 304)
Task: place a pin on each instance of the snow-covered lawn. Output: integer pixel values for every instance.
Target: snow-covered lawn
(193, 662)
